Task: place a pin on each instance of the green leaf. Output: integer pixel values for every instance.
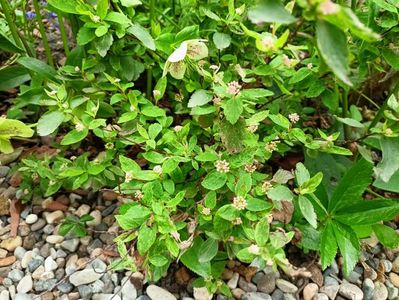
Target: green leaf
(368, 212)
(142, 35)
(36, 65)
(177, 69)
(351, 122)
(254, 204)
(12, 77)
(152, 111)
(244, 184)
(199, 98)
(101, 30)
(228, 212)
(384, 4)
(332, 44)
(71, 172)
(280, 193)
(301, 174)
(307, 210)
(328, 245)
(390, 159)
(10, 128)
(245, 256)
(233, 109)
(133, 217)
(158, 260)
(345, 19)
(161, 87)
(310, 186)
(349, 246)
(262, 232)
(102, 8)
(208, 250)
(280, 120)
(190, 259)
(130, 3)
(233, 135)
(49, 122)
(391, 57)
(270, 11)
(146, 238)
(210, 199)
(221, 40)
(65, 228)
(214, 180)
(386, 235)
(85, 36)
(6, 44)
(129, 165)
(67, 6)
(351, 186)
(392, 185)
(74, 136)
(103, 44)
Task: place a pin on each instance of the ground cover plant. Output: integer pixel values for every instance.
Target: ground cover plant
(229, 128)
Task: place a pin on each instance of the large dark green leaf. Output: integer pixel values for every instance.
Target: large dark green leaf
(392, 185)
(36, 65)
(352, 186)
(368, 212)
(270, 11)
(349, 246)
(6, 44)
(12, 77)
(191, 259)
(328, 245)
(332, 44)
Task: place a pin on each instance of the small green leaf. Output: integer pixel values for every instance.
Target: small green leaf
(386, 235)
(214, 180)
(270, 11)
(228, 212)
(280, 193)
(262, 232)
(280, 120)
(142, 35)
(328, 245)
(254, 204)
(210, 199)
(199, 98)
(349, 246)
(221, 40)
(301, 174)
(38, 66)
(310, 186)
(74, 136)
(67, 6)
(146, 238)
(233, 109)
(49, 122)
(208, 250)
(244, 184)
(158, 260)
(307, 210)
(104, 43)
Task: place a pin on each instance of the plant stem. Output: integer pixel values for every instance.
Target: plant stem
(149, 70)
(11, 23)
(345, 106)
(43, 33)
(378, 116)
(353, 4)
(64, 36)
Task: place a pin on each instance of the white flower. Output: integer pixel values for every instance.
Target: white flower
(266, 186)
(294, 117)
(254, 249)
(222, 166)
(287, 61)
(252, 128)
(237, 221)
(96, 19)
(233, 87)
(388, 131)
(138, 195)
(178, 128)
(128, 176)
(328, 8)
(77, 69)
(156, 93)
(267, 42)
(53, 93)
(206, 211)
(79, 127)
(309, 65)
(271, 146)
(216, 100)
(250, 168)
(179, 97)
(239, 202)
(117, 80)
(157, 169)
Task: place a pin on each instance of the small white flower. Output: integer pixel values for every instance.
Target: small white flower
(388, 131)
(267, 42)
(266, 186)
(185, 244)
(294, 118)
(65, 105)
(132, 108)
(271, 146)
(138, 195)
(156, 93)
(77, 69)
(117, 80)
(157, 169)
(222, 166)
(73, 157)
(239, 202)
(177, 128)
(206, 211)
(250, 168)
(328, 8)
(309, 65)
(179, 97)
(252, 128)
(53, 93)
(233, 87)
(26, 191)
(214, 67)
(128, 176)
(237, 221)
(217, 100)
(254, 249)
(109, 145)
(79, 127)
(96, 19)
(231, 239)
(287, 61)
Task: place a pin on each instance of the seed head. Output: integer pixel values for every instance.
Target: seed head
(271, 146)
(222, 166)
(287, 61)
(266, 186)
(250, 168)
(138, 195)
(217, 100)
(239, 202)
(252, 128)
(96, 19)
(157, 169)
(206, 211)
(388, 131)
(178, 128)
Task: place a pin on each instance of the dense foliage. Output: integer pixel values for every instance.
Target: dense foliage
(231, 128)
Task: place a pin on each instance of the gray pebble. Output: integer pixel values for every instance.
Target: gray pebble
(320, 296)
(278, 295)
(289, 296)
(4, 171)
(70, 245)
(267, 283)
(35, 263)
(286, 286)
(330, 290)
(85, 292)
(368, 289)
(256, 296)
(39, 224)
(48, 229)
(22, 296)
(65, 287)
(351, 291)
(246, 286)
(380, 291)
(44, 285)
(16, 275)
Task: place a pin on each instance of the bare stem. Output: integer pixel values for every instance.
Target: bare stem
(43, 33)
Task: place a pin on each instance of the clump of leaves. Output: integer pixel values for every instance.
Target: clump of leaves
(75, 226)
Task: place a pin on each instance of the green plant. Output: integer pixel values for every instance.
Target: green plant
(75, 226)
(12, 129)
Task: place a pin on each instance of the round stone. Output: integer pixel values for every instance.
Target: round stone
(16, 275)
(350, 291)
(54, 239)
(267, 283)
(310, 290)
(380, 291)
(156, 293)
(394, 278)
(286, 286)
(25, 285)
(30, 219)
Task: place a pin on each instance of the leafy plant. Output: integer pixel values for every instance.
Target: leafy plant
(12, 129)
(75, 226)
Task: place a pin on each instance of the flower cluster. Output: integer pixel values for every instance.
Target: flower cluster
(239, 202)
(222, 166)
(233, 87)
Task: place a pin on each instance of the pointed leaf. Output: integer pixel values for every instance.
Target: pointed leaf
(270, 11)
(307, 210)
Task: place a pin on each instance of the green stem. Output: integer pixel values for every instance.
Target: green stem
(345, 106)
(43, 32)
(353, 4)
(378, 116)
(149, 82)
(64, 36)
(152, 14)
(11, 23)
